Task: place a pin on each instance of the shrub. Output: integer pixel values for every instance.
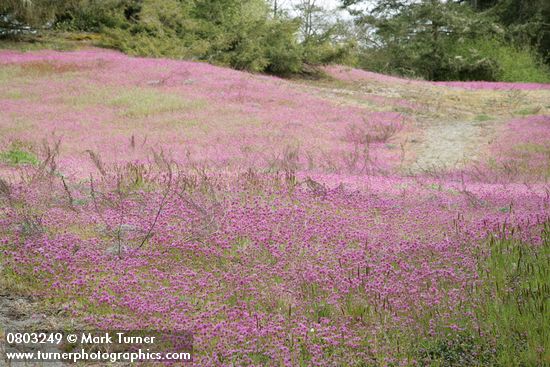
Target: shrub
(283, 53)
(92, 15)
(237, 35)
(503, 61)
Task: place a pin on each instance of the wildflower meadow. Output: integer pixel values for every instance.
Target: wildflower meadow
(354, 220)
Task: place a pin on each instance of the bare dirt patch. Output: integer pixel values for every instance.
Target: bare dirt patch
(450, 144)
(452, 126)
(21, 313)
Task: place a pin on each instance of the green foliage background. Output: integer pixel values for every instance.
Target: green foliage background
(447, 41)
(494, 40)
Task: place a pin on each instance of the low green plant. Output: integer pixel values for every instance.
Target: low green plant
(528, 111)
(483, 117)
(18, 156)
(455, 349)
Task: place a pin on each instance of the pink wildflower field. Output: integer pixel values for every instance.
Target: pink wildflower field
(282, 227)
(356, 74)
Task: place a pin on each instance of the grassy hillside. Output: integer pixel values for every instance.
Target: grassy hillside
(352, 220)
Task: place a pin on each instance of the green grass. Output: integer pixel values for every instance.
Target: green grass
(6, 74)
(142, 102)
(138, 102)
(17, 156)
(516, 306)
(532, 148)
(483, 117)
(528, 111)
(512, 309)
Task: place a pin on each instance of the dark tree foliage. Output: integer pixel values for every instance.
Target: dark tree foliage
(450, 40)
(244, 34)
(18, 15)
(433, 39)
(527, 21)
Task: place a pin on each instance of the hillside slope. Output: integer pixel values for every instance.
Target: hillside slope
(100, 100)
(354, 220)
